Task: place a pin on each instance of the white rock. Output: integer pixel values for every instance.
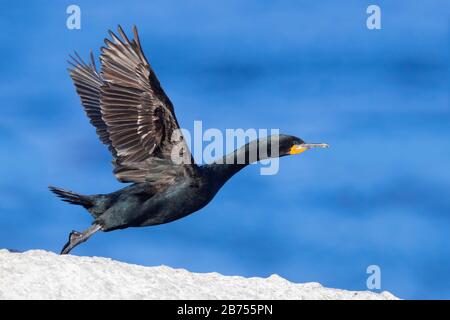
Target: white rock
(44, 275)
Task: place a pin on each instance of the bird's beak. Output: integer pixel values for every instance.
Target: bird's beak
(299, 148)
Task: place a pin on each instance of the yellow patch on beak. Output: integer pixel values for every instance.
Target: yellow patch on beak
(297, 148)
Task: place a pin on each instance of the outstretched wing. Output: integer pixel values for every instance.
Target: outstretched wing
(88, 83)
(130, 110)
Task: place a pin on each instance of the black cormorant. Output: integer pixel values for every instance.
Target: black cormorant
(136, 120)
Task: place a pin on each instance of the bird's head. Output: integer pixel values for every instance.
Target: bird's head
(289, 145)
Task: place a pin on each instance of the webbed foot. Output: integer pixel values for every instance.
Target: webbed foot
(76, 238)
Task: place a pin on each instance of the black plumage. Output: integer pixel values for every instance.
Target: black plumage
(134, 117)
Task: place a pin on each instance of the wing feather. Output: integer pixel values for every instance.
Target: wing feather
(130, 110)
(88, 83)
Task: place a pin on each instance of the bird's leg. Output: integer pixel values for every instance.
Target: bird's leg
(75, 238)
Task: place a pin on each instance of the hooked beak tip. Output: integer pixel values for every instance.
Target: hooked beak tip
(316, 145)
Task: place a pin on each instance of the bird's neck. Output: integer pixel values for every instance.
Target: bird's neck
(257, 150)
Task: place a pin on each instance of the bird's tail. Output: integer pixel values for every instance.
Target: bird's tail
(72, 197)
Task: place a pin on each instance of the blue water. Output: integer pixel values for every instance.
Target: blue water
(380, 195)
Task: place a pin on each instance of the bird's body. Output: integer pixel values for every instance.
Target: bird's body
(136, 120)
(141, 204)
(138, 206)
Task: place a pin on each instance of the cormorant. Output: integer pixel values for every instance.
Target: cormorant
(136, 120)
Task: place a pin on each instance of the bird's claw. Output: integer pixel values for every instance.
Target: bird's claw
(74, 236)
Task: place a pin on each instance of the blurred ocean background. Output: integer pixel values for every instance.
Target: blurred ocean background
(380, 195)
